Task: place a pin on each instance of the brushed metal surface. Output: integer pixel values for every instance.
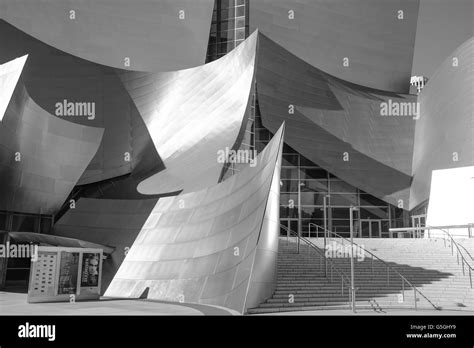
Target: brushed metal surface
(379, 45)
(77, 80)
(151, 33)
(444, 136)
(41, 156)
(192, 114)
(215, 246)
(333, 118)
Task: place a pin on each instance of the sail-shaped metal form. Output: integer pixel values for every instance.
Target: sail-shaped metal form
(368, 42)
(41, 156)
(53, 78)
(215, 246)
(192, 114)
(336, 124)
(445, 131)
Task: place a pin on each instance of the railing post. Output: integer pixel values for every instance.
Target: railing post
(351, 229)
(416, 305)
(324, 247)
(349, 297)
(463, 266)
(325, 267)
(342, 286)
(470, 277)
(372, 257)
(353, 300)
(403, 288)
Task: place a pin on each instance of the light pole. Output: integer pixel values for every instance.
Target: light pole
(351, 210)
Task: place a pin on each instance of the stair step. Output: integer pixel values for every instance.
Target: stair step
(434, 271)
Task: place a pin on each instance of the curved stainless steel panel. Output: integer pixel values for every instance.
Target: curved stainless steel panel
(153, 34)
(445, 132)
(264, 272)
(379, 46)
(215, 246)
(189, 167)
(192, 114)
(41, 157)
(74, 80)
(333, 118)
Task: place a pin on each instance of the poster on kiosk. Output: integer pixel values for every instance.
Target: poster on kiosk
(60, 274)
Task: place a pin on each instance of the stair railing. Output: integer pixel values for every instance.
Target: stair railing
(416, 231)
(388, 267)
(345, 280)
(452, 244)
(459, 253)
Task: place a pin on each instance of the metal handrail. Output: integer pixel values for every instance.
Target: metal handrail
(458, 252)
(453, 242)
(344, 278)
(456, 243)
(469, 227)
(415, 289)
(463, 248)
(467, 251)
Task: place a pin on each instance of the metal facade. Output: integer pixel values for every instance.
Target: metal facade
(215, 246)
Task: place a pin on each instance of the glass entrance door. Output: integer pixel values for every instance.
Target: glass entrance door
(418, 221)
(290, 223)
(370, 228)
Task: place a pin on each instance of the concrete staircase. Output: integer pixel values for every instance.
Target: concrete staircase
(426, 263)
